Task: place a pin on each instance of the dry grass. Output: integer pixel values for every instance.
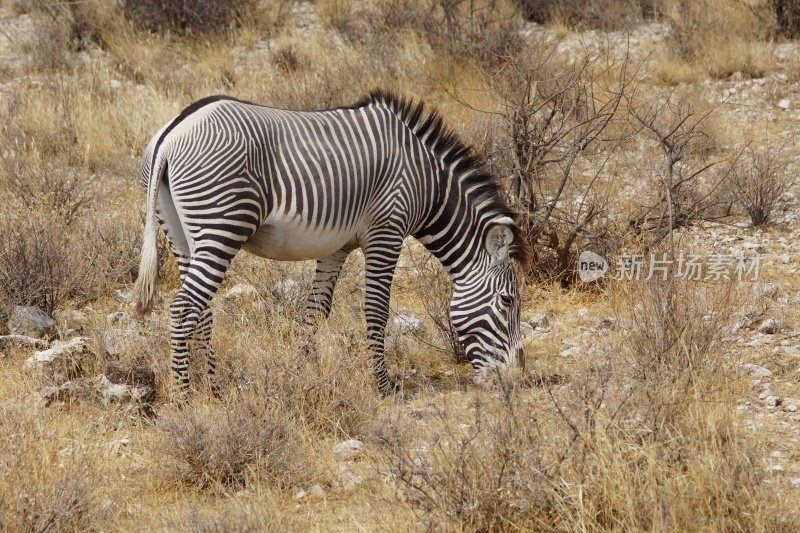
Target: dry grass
(699, 45)
(640, 434)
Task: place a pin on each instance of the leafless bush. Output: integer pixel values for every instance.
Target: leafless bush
(787, 18)
(690, 184)
(617, 441)
(288, 58)
(223, 446)
(722, 49)
(38, 265)
(555, 125)
(483, 30)
(44, 187)
(186, 16)
(592, 14)
(758, 185)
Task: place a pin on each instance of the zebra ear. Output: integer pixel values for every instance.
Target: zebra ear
(499, 239)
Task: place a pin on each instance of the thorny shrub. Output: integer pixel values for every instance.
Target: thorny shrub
(186, 16)
(643, 439)
(222, 446)
(758, 184)
(600, 14)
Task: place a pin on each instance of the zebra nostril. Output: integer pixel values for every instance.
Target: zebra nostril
(521, 358)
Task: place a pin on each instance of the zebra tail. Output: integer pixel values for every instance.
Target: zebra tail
(144, 290)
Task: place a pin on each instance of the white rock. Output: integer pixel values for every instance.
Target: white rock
(59, 362)
(795, 481)
(287, 289)
(772, 401)
(348, 449)
(406, 323)
(115, 84)
(347, 479)
(300, 495)
(316, 491)
(769, 326)
(766, 290)
(583, 312)
(784, 103)
(115, 393)
(241, 290)
(752, 369)
(540, 320)
(116, 446)
(790, 407)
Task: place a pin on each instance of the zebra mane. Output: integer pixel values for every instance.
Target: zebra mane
(469, 168)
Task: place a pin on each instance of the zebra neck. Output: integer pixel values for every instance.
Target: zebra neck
(454, 236)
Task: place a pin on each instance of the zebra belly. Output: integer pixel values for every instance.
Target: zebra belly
(291, 240)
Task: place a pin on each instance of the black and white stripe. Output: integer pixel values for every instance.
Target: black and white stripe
(290, 185)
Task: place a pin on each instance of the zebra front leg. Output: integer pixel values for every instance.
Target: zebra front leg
(380, 259)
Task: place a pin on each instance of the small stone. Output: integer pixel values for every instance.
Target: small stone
(775, 454)
(752, 369)
(316, 491)
(769, 326)
(583, 312)
(300, 495)
(118, 317)
(125, 374)
(347, 479)
(117, 446)
(785, 104)
(776, 469)
(115, 84)
(241, 290)
(790, 407)
(403, 323)
(772, 401)
(31, 322)
(795, 481)
(348, 449)
(540, 320)
(287, 289)
(765, 393)
(786, 259)
(117, 340)
(766, 290)
(119, 393)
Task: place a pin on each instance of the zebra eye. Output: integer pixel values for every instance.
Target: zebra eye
(505, 299)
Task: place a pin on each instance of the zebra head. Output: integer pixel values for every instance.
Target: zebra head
(484, 309)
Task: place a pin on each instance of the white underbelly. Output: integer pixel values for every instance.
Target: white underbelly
(290, 240)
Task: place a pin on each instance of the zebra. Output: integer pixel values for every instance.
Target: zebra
(227, 174)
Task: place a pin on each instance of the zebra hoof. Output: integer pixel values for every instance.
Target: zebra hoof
(395, 390)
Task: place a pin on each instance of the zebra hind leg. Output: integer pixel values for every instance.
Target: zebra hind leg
(204, 340)
(320, 299)
(190, 316)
